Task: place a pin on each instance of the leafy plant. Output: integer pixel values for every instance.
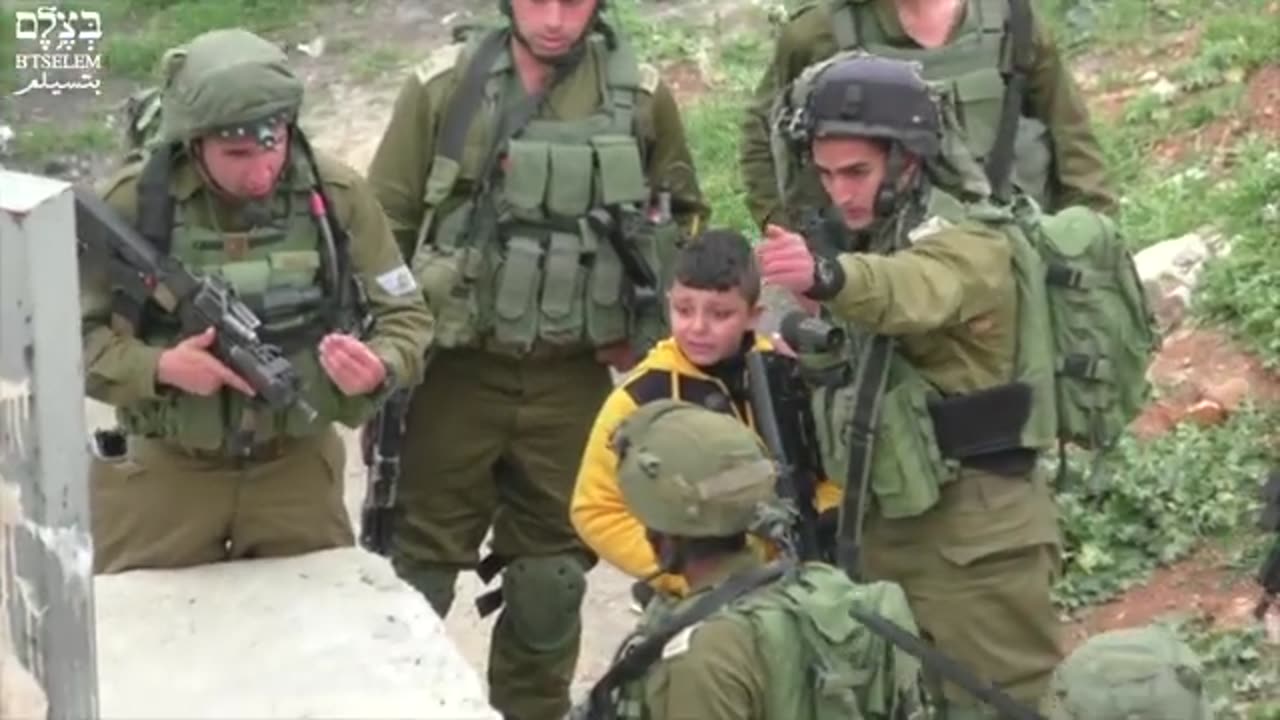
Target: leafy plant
(1154, 502)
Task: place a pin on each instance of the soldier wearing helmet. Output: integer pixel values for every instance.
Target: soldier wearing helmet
(1024, 118)
(229, 186)
(924, 416)
(1142, 673)
(528, 171)
(745, 642)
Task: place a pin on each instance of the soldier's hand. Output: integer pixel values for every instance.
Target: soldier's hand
(190, 367)
(785, 260)
(618, 356)
(350, 364)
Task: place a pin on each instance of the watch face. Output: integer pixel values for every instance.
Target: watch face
(826, 273)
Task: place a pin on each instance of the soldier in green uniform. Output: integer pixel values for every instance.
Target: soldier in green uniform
(231, 188)
(525, 172)
(925, 414)
(970, 46)
(748, 641)
(1129, 674)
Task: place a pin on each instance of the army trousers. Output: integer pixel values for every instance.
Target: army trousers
(161, 507)
(494, 442)
(977, 569)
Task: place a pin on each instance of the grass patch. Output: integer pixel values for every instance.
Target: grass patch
(377, 62)
(1242, 289)
(37, 142)
(157, 25)
(1155, 501)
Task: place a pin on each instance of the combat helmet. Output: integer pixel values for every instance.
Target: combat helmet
(691, 472)
(1142, 673)
(855, 94)
(228, 83)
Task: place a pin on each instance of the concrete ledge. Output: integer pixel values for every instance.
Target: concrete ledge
(333, 634)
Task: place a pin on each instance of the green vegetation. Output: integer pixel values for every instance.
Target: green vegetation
(157, 25)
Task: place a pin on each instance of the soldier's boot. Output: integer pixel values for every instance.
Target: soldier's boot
(535, 642)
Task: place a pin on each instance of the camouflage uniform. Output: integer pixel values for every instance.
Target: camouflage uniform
(1057, 157)
(181, 495)
(526, 288)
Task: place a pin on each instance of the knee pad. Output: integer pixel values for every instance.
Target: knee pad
(543, 598)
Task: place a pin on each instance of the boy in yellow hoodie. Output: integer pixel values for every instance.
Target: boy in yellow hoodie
(714, 303)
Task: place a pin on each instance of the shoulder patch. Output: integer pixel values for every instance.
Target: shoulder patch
(437, 62)
(679, 643)
(649, 77)
(929, 227)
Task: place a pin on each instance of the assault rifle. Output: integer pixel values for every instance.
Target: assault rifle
(381, 441)
(1269, 574)
(141, 273)
(783, 416)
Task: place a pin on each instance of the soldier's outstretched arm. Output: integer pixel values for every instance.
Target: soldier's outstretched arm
(1080, 175)
(119, 369)
(949, 275)
(669, 164)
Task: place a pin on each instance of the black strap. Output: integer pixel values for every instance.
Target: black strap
(155, 204)
(869, 381)
(999, 162)
(466, 102)
(342, 301)
(636, 659)
(945, 666)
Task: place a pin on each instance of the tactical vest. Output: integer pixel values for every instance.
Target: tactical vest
(973, 67)
(524, 260)
(821, 663)
(276, 271)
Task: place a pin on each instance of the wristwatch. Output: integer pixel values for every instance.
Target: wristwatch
(828, 278)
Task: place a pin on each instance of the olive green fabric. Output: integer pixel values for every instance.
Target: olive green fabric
(788, 650)
(608, 138)
(1144, 673)
(1057, 113)
(503, 456)
(975, 551)
(225, 80)
(978, 568)
(692, 472)
(161, 508)
(121, 370)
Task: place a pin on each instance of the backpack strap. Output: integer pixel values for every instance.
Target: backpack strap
(846, 25)
(635, 660)
(155, 203)
(1018, 39)
(947, 667)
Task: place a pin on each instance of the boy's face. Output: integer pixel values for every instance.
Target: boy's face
(708, 324)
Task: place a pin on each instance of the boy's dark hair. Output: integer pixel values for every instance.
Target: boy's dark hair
(720, 260)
